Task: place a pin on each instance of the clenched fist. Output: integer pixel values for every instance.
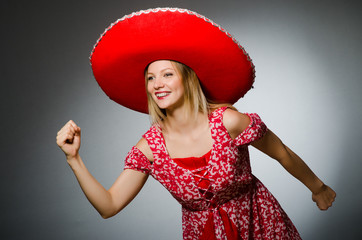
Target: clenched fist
(324, 198)
(68, 139)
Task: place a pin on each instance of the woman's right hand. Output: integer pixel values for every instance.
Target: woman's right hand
(107, 203)
(68, 139)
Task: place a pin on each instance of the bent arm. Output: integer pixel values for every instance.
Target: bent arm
(108, 203)
(271, 145)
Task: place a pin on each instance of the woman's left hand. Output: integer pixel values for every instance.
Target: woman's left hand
(324, 198)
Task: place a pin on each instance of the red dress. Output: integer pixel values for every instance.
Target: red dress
(220, 197)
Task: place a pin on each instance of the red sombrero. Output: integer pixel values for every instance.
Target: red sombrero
(123, 51)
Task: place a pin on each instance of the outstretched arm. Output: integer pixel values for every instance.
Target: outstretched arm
(106, 202)
(271, 145)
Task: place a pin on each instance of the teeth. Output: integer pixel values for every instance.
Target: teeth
(161, 94)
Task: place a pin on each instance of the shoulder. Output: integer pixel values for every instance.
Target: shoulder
(235, 122)
(142, 145)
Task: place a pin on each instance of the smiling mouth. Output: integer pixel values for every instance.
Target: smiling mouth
(162, 95)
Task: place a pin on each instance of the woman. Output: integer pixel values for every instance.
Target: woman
(197, 149)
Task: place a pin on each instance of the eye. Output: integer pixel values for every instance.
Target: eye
(168, 74)
(149, 78)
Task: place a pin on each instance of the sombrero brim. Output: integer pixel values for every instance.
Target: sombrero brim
(122, 53)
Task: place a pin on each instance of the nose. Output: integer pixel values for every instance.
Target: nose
(158, 83)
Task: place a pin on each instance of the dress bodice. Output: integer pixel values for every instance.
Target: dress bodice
(228, 168)
(197, 166)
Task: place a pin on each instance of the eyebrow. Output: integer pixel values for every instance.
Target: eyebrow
(163, 70)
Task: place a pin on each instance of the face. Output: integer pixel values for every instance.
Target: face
(164, 84)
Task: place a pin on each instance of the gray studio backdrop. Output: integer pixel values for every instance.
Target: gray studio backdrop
(308, 91)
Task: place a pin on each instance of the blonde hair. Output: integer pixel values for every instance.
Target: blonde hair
(194, 97)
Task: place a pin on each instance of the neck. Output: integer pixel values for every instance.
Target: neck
(180, 121)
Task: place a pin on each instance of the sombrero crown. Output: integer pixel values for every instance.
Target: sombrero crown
(125, 49)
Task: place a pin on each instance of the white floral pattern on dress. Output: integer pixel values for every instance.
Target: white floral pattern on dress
(248, 204)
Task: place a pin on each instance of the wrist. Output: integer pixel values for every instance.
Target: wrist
(74, 161)
(317, 187)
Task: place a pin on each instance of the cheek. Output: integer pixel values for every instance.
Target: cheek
(177, 84)
(181, 88)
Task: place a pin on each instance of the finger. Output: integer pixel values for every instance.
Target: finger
(322, 206)
(65, 137)
(62, 139)
(72, 129)
(326, 205)
(70, 139)
(75, 127)
(77, 131)
(71, 122)
(61, 135)
(63, 129)
(66, 130)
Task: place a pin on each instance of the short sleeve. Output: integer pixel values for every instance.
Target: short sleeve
(253, 132)
(136, 160)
